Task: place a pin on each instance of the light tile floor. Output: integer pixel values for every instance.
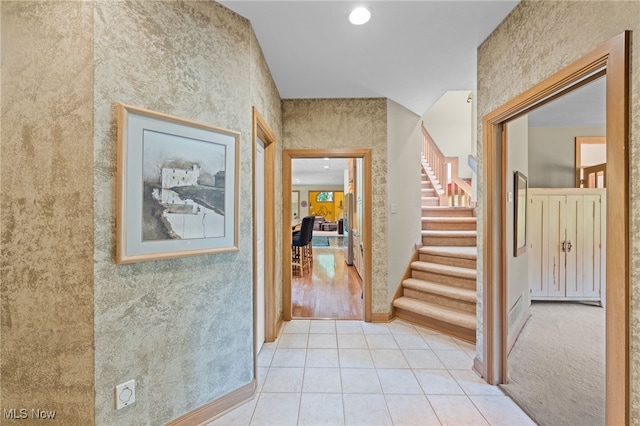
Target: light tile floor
(321, 372)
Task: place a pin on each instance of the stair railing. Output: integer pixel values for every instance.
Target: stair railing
(451, 188)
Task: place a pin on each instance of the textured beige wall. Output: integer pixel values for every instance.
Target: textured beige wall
(539, 38)
(46, 163)
(187, 339)
(74, 324)
(356, 124)
(265, 97)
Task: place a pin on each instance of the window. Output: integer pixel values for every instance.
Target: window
(323, 197)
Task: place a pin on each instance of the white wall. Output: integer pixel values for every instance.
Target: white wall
(517, 267)
(474, 143)
(403, 190)
(552, 155)
(449, 122)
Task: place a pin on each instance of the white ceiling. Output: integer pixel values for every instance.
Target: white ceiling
(313, 171)
(584, 107)
(411, 52)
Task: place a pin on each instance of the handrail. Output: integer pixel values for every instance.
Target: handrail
(452, 190)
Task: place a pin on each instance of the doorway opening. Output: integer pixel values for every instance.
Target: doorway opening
(591, 159)
(556, 278)
(610, 59)
(330, 287)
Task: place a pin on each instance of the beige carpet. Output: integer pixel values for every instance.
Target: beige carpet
(556, 367)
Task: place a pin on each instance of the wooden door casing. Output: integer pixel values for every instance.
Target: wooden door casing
(592, 175)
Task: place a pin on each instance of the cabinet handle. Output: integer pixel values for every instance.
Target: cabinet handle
(554, 268)
(569, 245)
(563, 246)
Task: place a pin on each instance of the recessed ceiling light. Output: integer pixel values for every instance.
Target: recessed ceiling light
(326, 167)
(359, 16)
(326, 158)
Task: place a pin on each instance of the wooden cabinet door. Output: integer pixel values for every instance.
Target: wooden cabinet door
(537, 235)
(572, 245)
(566, 236)
(554, 253)
(589, 250)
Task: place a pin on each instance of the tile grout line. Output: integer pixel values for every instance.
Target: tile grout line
(375, 368)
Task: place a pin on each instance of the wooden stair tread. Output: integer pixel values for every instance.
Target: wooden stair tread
(452, 292)
(463, 252)
(455, 271)
(451, 316)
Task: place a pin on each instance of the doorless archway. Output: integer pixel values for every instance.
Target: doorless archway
(287, 157)
(611, 58)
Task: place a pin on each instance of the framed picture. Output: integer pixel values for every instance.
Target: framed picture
(520, 215)
(177, 187)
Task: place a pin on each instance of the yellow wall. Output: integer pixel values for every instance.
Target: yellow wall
(330, 210)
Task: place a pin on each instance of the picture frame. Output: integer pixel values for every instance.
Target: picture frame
(520, 214)
(177, 187)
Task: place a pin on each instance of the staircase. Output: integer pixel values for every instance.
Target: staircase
(441, 290)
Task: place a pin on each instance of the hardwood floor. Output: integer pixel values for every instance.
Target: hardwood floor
(331, 290)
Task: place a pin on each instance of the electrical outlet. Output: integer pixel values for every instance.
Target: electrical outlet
(125, 394)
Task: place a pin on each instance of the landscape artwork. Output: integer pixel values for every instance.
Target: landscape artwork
(177, 187)
(184, 186)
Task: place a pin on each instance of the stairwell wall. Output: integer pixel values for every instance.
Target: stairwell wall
(404, 139)
(448, 122)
